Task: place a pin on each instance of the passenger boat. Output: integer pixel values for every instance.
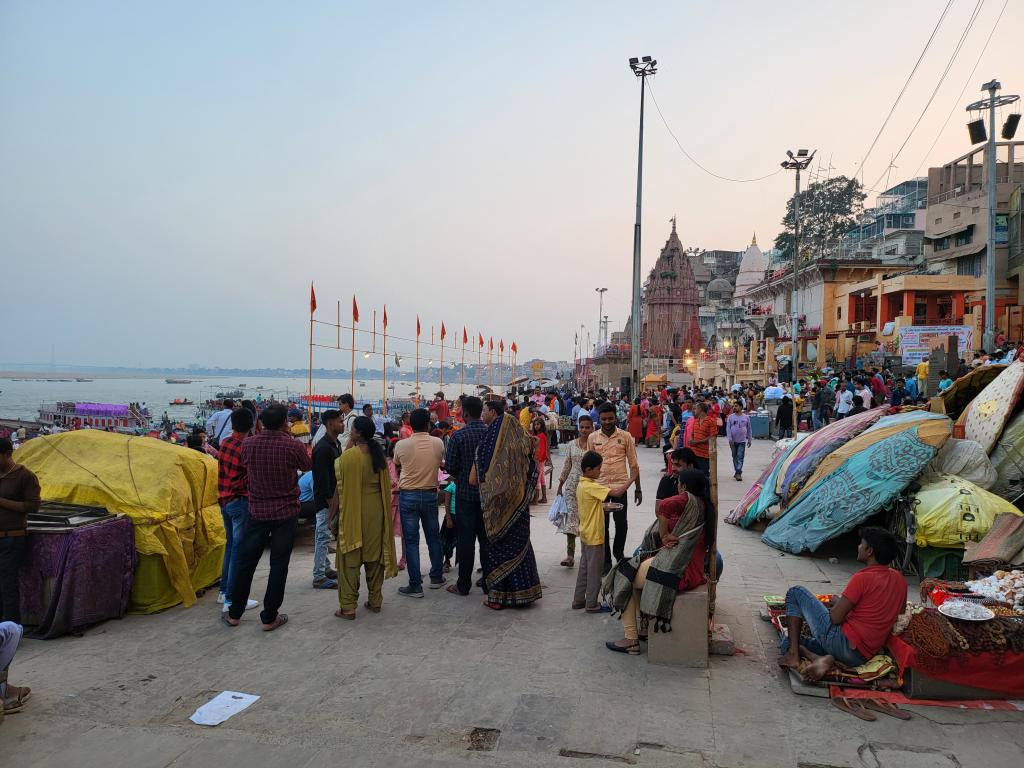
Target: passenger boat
(230, 394)
(129, 419)
(181, 401)
(178, 381)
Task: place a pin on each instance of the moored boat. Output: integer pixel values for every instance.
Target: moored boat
(130, 419)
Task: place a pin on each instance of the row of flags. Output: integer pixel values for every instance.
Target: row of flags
(444, 331)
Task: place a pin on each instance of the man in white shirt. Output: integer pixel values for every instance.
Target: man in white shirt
(866, 394)
(845, 402)
(347, 405)
(378, 420)
(218, 426)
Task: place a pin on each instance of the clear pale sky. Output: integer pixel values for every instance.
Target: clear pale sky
(175, 174)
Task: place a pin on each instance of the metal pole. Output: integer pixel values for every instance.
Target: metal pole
(635, 340)
(794, 354)
(990, 252)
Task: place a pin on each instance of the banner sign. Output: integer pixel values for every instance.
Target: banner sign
(917, 341)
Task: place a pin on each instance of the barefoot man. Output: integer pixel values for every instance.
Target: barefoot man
(857, 626)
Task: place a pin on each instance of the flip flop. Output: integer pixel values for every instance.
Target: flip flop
(454, 590)
(568, 562)
(371, 608)
(494, 606)
(280, 621)
(225, 619)
(886, 708)
(350, 615)
(853, 707)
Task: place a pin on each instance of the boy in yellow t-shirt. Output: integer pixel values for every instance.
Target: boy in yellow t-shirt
(590, 496)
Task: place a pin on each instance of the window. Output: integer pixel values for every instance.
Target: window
(976, 209)
(964, 238)
(938, 220)
(942, 244)
(839, 313)
(956, 215)
(969, 266)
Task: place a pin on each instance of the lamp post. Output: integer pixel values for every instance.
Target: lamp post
(990, 104)
(798, 162)
(600, 312)
(642, 68)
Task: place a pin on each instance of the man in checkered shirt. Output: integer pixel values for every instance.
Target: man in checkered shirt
(273, 461)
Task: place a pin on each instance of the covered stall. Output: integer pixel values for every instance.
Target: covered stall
(168, 492)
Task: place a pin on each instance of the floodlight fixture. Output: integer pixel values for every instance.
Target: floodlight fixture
(645, 59)
(801, 153)
(633, 61)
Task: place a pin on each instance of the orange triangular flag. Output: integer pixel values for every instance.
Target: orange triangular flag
(355, 310)
(501, 345)
(385, 317)
(417, 326)
(490, 343)
(514, 347)
(312, 298)
(465, 336)
(443, 332)
(481, 341)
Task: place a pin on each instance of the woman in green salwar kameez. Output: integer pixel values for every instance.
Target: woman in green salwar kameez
(363, 520)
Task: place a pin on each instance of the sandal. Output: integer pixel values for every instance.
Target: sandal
(371, 608)
(454, 590)
(886, 708)
(280, 621)
(494, 606)
(14, 704)
(568, 562)
(226, 620)
(578, 606)
(350, 615)
(853, 707)
(633, 649)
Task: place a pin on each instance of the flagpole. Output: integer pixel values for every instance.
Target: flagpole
(338, 342)
(462, 366)
(309, 390)
(384, 354)
(479, 345)
(353, 372)
(441, 374)
(417, 365)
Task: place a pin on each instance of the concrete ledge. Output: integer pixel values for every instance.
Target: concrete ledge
(687, 644)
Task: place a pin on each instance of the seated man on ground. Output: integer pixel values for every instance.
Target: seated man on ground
(856, 627)
(12, 697)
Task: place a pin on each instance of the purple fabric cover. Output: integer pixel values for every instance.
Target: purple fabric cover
(91, 569)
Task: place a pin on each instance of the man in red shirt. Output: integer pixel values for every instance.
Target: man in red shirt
(860, 621)
(273, 461)
(705, 429)
(439, 408)
(233, 496)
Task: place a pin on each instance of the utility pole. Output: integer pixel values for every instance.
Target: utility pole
(798, 162)
(600, 311)
(642, 68)
(990, 104)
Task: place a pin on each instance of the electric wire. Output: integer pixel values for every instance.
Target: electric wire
(691, 158)
(952, 58)
(995, 26)
(903, 90)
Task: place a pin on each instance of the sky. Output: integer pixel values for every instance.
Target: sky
(175, 175)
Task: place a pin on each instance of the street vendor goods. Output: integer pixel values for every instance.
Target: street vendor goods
(965, 611)
(988, 413)
(169, 492)
(856, 480)
(1004, 586)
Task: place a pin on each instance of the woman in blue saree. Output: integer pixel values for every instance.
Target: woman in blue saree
(507, 477)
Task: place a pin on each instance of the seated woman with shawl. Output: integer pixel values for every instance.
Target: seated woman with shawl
(671, 560)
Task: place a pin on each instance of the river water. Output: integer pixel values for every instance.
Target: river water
(20, 397)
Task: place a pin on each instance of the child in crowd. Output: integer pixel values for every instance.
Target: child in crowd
(540, 455)
(448, 528)
(590, 496)
(396, 518)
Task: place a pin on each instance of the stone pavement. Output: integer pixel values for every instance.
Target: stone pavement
(406, 687)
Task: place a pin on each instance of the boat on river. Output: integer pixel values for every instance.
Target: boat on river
(129, 419)
(178, 381)
(181, 401)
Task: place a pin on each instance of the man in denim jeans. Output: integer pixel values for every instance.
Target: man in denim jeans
(234, 500)
(325, 453)
(417, 459)
(857, 626)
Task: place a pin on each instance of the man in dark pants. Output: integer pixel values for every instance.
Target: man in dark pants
(468, 516)
(619, 470)
(19, 497)
(273, 460)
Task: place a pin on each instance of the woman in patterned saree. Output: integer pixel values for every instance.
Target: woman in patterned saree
(507, 476)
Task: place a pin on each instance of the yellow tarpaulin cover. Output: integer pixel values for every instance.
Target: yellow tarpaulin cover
(169, 492)
(952, 511)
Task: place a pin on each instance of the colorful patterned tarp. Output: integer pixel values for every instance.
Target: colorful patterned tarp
(988, 413)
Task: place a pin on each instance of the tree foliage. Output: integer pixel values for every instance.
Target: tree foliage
(828, 210)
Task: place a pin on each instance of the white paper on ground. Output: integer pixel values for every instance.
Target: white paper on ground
(221, 707)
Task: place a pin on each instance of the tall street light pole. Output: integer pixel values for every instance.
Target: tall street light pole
(600, 311)
(990, 104)
(798, 162)
(642, 68)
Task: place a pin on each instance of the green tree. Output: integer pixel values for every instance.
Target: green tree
(828, 210)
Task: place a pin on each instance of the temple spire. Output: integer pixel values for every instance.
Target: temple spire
(754, 241)
(673, 220)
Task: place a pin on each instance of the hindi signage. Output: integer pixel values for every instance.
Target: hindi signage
(917, 341)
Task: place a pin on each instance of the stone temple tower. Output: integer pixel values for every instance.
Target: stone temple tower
(671, 304)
